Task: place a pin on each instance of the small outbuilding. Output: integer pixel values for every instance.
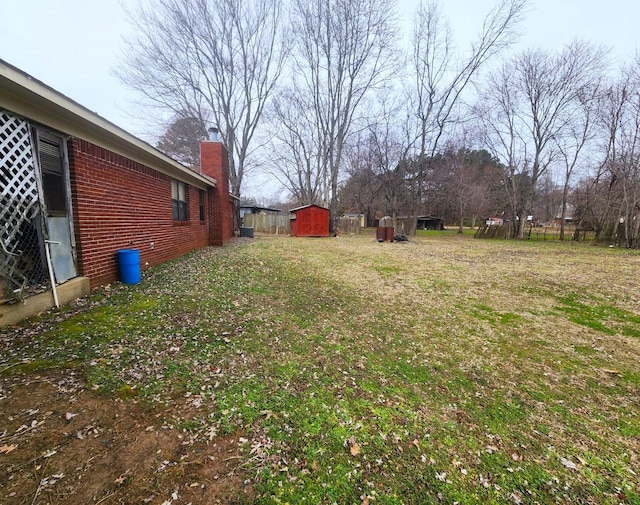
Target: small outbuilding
(310, 221)
(255, 209)
(429, 223)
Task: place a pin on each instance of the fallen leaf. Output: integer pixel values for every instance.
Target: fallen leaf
(353, 446)
(416, 442)
(612, 372)
(268, 414)
(365, 501)
(50, 453)
(7, 448)
(68, 416)
(568, 463)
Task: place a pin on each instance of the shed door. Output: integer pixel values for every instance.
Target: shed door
(312, 223)
(52, 158)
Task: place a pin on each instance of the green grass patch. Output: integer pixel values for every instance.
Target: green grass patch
(601, 317)
(410, 373)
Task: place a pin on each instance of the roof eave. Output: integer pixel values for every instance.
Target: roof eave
(24, 95)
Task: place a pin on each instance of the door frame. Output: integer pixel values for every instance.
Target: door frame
(39, 132)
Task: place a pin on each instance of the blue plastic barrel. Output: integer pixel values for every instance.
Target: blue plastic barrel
(129, 265)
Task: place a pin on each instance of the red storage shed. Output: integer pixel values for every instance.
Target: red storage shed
(310, 221)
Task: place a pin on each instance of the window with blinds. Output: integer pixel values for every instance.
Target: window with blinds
(179, 200)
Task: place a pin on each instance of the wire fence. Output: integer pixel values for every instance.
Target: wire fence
(23, 267)
(545, 233)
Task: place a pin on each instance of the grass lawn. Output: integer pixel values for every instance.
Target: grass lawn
(442, 370)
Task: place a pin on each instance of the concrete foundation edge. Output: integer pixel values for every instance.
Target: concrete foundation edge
(67, 292)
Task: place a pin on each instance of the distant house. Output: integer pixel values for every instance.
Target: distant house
(310, 221)
(494, 221)
(77, 188)
(568, 218)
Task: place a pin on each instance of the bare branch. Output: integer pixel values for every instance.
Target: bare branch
(217, 59)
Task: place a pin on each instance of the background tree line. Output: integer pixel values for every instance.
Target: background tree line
(329, 98)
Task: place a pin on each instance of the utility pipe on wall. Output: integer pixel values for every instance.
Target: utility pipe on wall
(51, 275)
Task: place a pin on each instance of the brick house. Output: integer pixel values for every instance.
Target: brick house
(76, 189)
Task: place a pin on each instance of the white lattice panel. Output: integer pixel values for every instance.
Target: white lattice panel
(18, 178)
(18, 200)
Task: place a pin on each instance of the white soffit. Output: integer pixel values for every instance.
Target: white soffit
(23, 95)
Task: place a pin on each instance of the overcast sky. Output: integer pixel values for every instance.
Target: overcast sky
(73, 45)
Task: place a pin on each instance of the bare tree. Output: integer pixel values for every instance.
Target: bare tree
(442, 76)
(209, 58)
(580, 133)
(499, 107)
(181, 140)
(298, 167)
(528, 106)
(342, 50)
(361, 191)
(469, 178)
(460, 184)
(386, 150)
(620, 170)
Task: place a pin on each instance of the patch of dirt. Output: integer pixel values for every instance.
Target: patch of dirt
(60, 443)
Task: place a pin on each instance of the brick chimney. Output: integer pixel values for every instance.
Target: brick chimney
(214, 162)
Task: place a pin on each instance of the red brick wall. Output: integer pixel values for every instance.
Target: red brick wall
(214, 161)
(121, 204)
